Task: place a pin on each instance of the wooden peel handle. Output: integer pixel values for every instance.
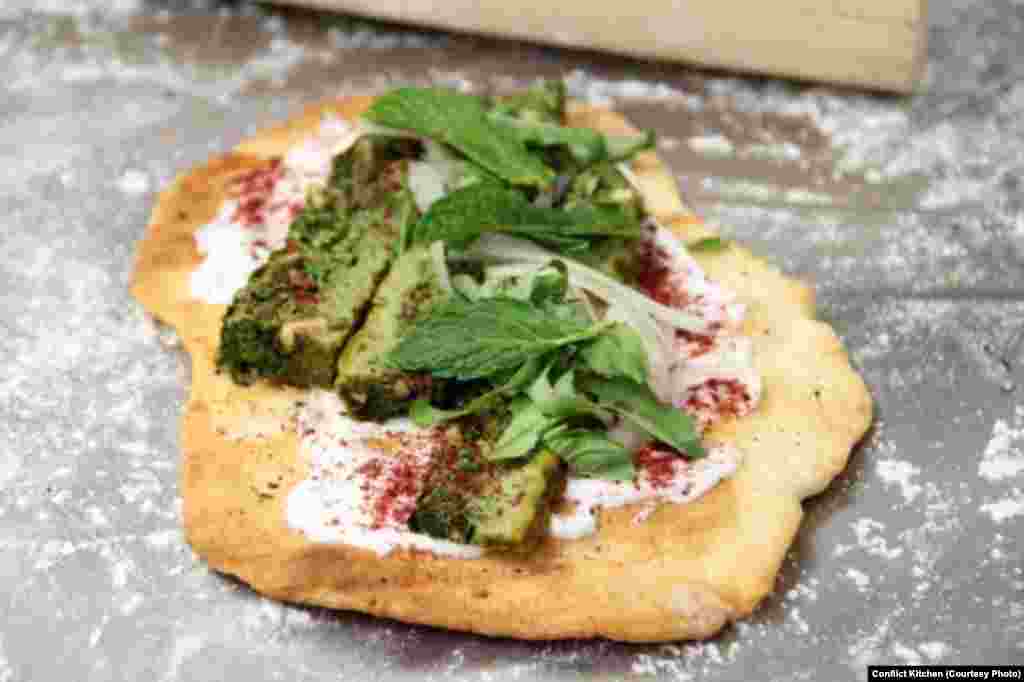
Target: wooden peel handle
(876, 44)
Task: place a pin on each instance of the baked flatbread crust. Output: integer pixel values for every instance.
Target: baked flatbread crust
(683, 573)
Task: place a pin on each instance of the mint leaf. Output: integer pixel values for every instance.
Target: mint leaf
(425, 414)
(585, 145)
(542, 102)
(523, 433)
(618, 352)
(545, 286)
(465, 214)
(637, 404)
(591, 453)
(562, 400)
(708, 244)
(549, 285)
(478, 339)
(461, 121)
(603, 185)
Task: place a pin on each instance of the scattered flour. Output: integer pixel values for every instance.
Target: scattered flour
(164, 538)
(11, 461)
(131, 603)
(711, 145)
(804, 590)
(905, 654)
(859, 578)
(1006, 508)
(800, 624)
(1004, 455)
(76, 8)
(96, 516)
(646, 664)
(786, 151)
(899, 472)
(868, 648)
(869, 540)
(120, 570)
(184, 648)
(935, 651)
(6, 674)
(1003, 460)
(133, 182)
(596, 90)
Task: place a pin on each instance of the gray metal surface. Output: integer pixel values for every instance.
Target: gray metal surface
(907, 215)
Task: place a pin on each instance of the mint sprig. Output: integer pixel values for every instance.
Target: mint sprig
(591, 453)
(461, 121)
(637, 404)
(467, 340)
(619, 352)
(462, 216)
(586, 146)
(564, 379)
(425, 414)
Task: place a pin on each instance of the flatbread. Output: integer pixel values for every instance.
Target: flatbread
(684, 573)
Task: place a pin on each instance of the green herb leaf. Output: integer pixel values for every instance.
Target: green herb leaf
(542, 102)
(618, 352)
(425, 414)
(586, 146)
(545, 286)
(603, 185)
(638, 404)
(563, 401)
(461, 121)
(591, 453)
(549, 285)
(478, 339)
(708, 244)
(523, 433)
(465, 214)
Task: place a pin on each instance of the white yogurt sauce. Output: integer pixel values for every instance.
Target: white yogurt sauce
(687, 481)
(704, 298)
(364, 480)
(232, 254)
(255, 224)
(710, 376)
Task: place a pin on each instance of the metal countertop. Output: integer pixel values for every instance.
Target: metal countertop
(907, 215)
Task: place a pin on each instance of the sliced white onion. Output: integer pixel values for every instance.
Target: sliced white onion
(440, 260)
(427, 183)
(730, 358)
(657, 345)
(500, 248)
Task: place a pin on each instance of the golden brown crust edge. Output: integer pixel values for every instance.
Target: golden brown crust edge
(684, 573)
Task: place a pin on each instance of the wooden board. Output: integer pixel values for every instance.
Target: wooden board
(876, 44)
